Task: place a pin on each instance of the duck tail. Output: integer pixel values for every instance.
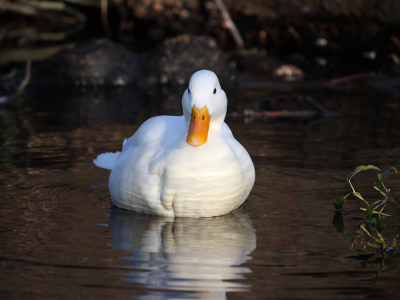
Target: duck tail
(106, 160)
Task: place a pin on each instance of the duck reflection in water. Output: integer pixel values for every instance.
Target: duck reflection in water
(191, 257)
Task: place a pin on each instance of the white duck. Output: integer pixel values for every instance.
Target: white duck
(187, 166)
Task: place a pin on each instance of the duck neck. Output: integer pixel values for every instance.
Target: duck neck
(216, 124)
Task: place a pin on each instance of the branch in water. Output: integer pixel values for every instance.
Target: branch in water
(348, 78)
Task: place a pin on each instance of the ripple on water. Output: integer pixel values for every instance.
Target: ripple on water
(55, 203)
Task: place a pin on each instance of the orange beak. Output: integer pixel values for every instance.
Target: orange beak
(198, 128)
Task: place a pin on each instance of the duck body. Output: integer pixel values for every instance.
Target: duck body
(160, 172)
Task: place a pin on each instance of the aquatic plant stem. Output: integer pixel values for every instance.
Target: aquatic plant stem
(384, 186)
(375, 212)
(354, 191)
(347, 195)
(366, 231)
(358, 195)
(372, 245)
(383, 244)
(379, 191)
(382, 203)
(380, 212)
(378, 274)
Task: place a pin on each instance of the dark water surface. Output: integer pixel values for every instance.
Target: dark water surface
(60, 238)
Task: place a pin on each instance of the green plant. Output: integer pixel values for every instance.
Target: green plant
(371, 212)
(370, 231)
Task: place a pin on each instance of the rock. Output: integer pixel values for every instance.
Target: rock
(176, 59)
(289, 73)
(91, 63)
(106, 63)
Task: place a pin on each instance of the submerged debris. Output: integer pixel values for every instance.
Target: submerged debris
(292, 107)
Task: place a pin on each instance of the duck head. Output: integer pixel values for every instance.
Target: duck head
(204, 106)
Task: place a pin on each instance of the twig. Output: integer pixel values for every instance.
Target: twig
(229, 23)
(348, 78)
(104, 20)
(277, 114)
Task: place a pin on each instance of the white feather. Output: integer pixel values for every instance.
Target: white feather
(158, 172)
(106, 160)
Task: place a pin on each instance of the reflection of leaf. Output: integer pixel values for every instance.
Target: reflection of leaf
(382, 176)
(393, 199)
(359, 169)
(339, 203)
(369, 211)
(338, 221)
(378, 224)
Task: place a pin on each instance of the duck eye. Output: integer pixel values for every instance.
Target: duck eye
(215, 91)
(189, 91)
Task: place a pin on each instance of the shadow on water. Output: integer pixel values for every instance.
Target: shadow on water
(93, 105)
(195, 258)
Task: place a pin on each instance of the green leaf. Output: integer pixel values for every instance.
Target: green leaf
(368, 227)
(339, 203)
(359, 169)
(378, 224)
(382, 176)
(369, 211)
(338, 221)
(393, 199)
(349, 176)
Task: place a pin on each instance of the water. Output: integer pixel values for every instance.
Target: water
(61, 238)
